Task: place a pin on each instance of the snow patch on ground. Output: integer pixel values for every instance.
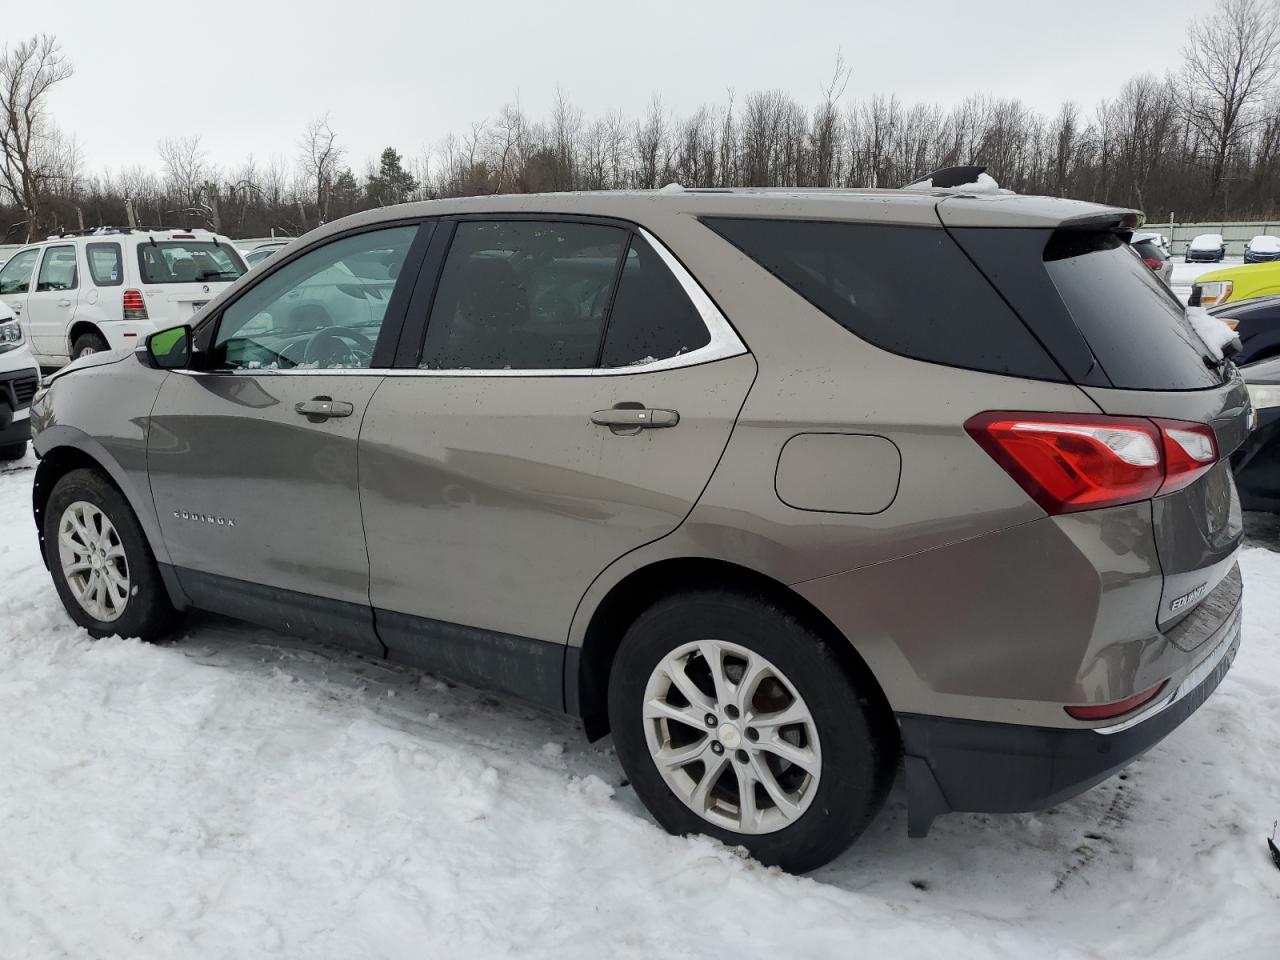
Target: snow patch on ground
(238, 794)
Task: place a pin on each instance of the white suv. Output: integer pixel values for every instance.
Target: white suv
(19, 381)
(107, 289)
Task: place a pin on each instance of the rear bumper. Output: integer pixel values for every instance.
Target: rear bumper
(972, 766)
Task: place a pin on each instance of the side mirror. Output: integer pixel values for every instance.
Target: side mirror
(170, 349)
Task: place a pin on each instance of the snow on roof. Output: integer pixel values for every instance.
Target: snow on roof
(984, 184)
(1207, 241)
(1263, 243)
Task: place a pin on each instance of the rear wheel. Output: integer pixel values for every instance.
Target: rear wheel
(88, 343)
(101, 563)
(734, 719)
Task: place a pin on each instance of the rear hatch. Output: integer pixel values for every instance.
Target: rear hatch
(1123, 337)
(181, 272)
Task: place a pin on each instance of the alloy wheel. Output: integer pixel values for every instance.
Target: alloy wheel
(93, 561)
(731, 737)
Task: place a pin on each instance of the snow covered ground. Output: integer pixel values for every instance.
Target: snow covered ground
(237, 794)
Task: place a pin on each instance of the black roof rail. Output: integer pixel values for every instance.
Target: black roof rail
(945, 177)
(105, 231)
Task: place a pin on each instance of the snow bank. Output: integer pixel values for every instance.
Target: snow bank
(1211, 330)
(229, 796)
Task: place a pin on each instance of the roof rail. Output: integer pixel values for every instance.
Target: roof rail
(103, 231)
(946, 177)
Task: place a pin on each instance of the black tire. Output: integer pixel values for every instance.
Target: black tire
(859, 743)
(13, 451)
(88, 343)
(147, 614)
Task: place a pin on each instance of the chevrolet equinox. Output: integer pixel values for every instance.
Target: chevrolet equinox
(782, 489)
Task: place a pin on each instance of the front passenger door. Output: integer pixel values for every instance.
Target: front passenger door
(51, 305)
(253, 458)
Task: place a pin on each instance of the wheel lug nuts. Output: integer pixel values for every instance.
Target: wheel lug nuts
(711, 720)
(731, 712)
(717, 748)
(742, 756)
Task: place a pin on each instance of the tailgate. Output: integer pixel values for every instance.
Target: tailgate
(1198, 529)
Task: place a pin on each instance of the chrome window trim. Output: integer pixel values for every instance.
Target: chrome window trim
(724, 343)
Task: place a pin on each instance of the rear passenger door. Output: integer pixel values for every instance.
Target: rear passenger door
(569, 400)
(52, 301)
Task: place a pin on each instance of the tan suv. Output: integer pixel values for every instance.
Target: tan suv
(778, 487)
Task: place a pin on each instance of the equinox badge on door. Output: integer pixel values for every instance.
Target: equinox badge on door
(203, 518)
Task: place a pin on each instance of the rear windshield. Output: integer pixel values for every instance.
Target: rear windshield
(1137, 329)
(909, 290)
(188, 261)
(1149, 249)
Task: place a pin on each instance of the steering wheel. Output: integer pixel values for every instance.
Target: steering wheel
(325, 348)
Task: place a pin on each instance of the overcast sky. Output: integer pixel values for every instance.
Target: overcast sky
(247, 76)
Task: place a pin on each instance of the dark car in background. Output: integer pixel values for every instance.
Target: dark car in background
(1257, 324)
(1262, 249)
(1257, 462)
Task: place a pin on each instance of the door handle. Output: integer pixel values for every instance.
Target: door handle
(322, 408)
(17, 309)
(64, 303)
(635, 418)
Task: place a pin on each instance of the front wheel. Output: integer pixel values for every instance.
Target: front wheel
(734, 719)
(101, 562)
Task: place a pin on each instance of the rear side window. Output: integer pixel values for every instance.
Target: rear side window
(652, 317)
(104, 264)
(57, 269)
(523, 295)
(909, 290)
(187, 261)
(1137, 329)
(16, 275)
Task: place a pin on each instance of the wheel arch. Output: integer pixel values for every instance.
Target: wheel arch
(587, 667)
(78, 329)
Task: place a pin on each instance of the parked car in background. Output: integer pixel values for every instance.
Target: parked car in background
(264, 250)
(1257, 463)
(78, 294)
(1159, 238)
(1256, 323)
(19, 381)
(1153, 255)
(564, 446)
(1236, 284)
(1206, 248)
(1262, 249)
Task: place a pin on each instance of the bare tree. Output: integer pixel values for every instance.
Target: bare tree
(1230, 58)
(321, 157)
(185, 167)
(28, 142)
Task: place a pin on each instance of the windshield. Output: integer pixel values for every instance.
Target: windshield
(188, 261)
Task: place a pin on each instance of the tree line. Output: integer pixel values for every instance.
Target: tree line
(1202, 143)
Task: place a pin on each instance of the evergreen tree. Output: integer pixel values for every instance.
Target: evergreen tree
(392, 183)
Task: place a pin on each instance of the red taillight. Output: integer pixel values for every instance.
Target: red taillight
(1068, 462)
(1190, 449)
(135, 308)
(1118, 708)
(1153, 263)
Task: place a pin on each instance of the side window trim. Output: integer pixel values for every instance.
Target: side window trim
(724, 342)
(393, 321)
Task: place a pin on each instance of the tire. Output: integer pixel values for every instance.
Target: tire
(88, 343)
(145, 611)
(13, 451)
(854, 752)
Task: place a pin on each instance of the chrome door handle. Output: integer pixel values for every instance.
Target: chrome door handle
(635, 417)
(322, 408)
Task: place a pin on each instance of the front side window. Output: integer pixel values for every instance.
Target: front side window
(324, 310)
(652, 317)
(188, 261)
(104, 264)
(523, 295)
(57, 269)
(16, 275)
